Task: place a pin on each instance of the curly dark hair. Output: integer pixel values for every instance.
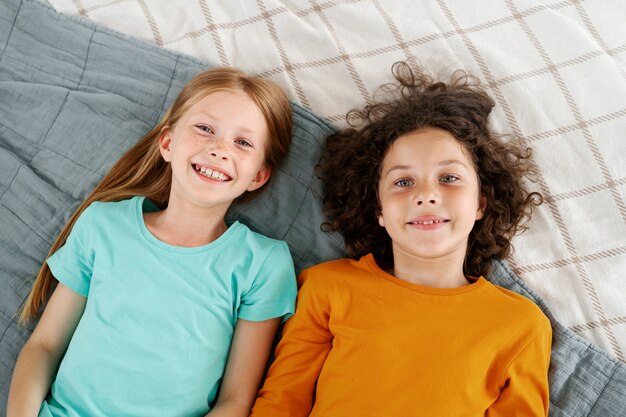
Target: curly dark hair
(351, 162)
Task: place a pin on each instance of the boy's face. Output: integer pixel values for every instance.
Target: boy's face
(429, 196)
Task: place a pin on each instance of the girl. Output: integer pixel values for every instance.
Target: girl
(425, 197)
(159, 304)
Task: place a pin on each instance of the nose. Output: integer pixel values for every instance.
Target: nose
(218, 149)
(426, 194)
(431, 201)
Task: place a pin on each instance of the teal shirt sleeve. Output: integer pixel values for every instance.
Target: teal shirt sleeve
(72, 263)
(273, 291)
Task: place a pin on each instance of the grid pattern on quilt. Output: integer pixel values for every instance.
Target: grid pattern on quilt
(556, 68)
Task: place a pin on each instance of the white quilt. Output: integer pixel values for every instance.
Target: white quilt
(557, 70)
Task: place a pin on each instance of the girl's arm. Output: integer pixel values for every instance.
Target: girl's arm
(40, 356)
(249, 352)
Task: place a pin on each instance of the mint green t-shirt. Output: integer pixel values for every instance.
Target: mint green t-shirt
(159, 319)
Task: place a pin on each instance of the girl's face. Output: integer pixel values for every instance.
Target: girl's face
(429, 196)
(217, 150)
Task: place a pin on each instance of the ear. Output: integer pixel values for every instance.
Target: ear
(261, 178)
(482, 205)
(165, 142)
(381, 221)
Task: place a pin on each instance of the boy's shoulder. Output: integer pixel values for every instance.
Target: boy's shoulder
(339, 266)
(334, 271)
(518, 306)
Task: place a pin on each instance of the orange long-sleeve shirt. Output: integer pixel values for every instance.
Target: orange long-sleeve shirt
(365, 343)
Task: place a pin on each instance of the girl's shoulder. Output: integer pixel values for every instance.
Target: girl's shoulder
(99, 212)
(102, 219)
(257, 241)
(255, 236)
(114, 207)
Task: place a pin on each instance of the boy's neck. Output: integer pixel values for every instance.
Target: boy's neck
(444, 272)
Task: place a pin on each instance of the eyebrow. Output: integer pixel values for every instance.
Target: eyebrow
(243, 129)
(443, 163)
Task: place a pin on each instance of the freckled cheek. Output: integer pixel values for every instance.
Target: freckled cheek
(198, 141)
(219, 145)
(241, 154)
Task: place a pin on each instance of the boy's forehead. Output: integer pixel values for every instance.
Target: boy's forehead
(429, 141)
(426, 148)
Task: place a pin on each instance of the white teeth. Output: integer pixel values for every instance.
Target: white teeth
(215, 175)
(427, 222)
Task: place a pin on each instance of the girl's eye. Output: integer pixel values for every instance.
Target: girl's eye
(403, 183)
(243, 142)
(205, 128)
(448, 178)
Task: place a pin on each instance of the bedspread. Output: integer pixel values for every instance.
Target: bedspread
(556, 69)
(74, 95)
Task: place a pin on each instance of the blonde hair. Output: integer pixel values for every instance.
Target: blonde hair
(141, 171)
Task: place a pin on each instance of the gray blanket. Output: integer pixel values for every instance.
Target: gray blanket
(74, 96)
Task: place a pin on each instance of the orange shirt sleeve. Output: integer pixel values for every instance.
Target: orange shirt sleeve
(289, 388)
(525, 392)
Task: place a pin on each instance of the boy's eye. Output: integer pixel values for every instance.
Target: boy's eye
(403, 183)
(243, 142)
(449, 178)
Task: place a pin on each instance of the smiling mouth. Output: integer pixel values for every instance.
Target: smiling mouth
(429, 222)
(212, 174)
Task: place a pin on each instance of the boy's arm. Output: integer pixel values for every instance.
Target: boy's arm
(249, 352)
(526, 391)
(40, 356)
(301, 353)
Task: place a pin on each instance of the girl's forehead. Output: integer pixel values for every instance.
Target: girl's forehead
(220, 96)
(233, 105)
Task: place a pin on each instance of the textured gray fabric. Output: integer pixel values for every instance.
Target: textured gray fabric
(74, 96)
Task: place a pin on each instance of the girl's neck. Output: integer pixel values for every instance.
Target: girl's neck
(186, 225)
(445, 272)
